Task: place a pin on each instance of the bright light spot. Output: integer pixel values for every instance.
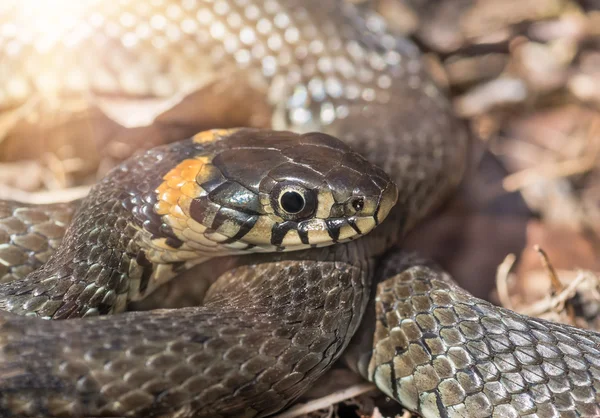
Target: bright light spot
(53, 18)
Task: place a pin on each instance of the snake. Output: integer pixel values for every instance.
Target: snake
(296, 227)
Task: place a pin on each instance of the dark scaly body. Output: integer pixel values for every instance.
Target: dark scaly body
(265, 348)
(260, 334)
(29, 235)
(324, 66)
(443, 352)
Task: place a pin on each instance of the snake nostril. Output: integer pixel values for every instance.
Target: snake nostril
(358, 204)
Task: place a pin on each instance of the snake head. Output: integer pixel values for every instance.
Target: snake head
(262, 190)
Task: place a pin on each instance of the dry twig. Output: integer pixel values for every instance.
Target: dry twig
(327, 401)
(502, 276)
(557, 286)
(556, 303)
(45, 197)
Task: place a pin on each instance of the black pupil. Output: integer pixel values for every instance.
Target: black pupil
(358, 204)
(292, 202)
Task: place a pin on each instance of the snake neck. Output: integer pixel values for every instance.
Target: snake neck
(108, 254)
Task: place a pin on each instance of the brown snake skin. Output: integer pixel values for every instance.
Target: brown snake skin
(271, 323)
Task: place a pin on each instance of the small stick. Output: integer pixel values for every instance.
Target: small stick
(544, 306)
(44, 197)
(557, 286)
(326, 401)
(502, 280)
(527, 177)
(521, 179)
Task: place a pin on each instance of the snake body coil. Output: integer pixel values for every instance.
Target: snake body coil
(261, 209)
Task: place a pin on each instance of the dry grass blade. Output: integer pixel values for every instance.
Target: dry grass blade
(45, 197)
(556, 303)
(552, 304)
(327, 401)
(557, 285)
(502, 276)
(522, 179)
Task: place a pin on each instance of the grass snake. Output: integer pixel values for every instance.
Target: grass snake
(300, 230)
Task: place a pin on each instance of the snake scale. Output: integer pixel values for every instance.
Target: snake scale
(300, 233)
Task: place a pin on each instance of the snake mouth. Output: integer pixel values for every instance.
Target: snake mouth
(318, 232)
(315, 232)
(351, 228)
(346, 229)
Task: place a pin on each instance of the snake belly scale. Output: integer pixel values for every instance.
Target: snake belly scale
(307, 225)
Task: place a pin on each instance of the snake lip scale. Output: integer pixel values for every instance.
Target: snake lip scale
(291, 227)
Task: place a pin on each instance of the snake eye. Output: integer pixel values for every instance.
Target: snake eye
(293, 202)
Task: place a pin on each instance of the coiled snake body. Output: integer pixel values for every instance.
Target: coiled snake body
(281, 311)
